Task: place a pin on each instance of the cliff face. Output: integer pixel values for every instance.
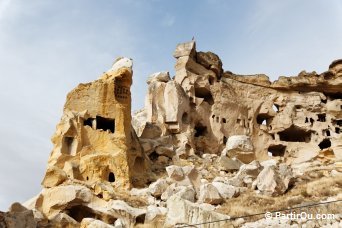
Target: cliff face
(207, 143)
(291, 119)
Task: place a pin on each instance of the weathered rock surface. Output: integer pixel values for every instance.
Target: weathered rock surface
(181, 211)
(203, 137)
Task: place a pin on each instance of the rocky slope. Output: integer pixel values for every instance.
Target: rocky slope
(210, 145)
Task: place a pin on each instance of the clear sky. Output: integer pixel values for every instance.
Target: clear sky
(47, 47)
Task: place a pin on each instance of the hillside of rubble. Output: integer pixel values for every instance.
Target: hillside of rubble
(209, 147)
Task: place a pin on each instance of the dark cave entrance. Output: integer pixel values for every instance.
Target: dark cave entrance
(105, 124)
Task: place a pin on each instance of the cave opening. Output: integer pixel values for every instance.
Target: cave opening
(224, 120)
(277, 150)
(88, 122)
(334, 96)
(321, 117)
(200, 130)
(326, 143)
(275, 107)
(295, 134)
(263, 119)
(326, 132)
(337, 130)
(79, 212)
(111, 177)
(185, 118)
(224, 139)
(105, 124)
(205, 94)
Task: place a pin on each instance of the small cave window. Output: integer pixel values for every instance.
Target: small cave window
(200, 130)
(204, 93)
(88, 122)
(224, 120)
(277, 150)
(337, 122)
(211, 80)
(80, 212)
(105, 124)
(213, 116)
(326, 143)
(224, 139)
(275, 107)
(298, 106)
(311, 121)
(306, 120)
(185, 118)
(334, 96)
(263, 119)
(295, 134)
(321, 117)
(324, 101)
(273, 137)
(326, 132)
(337, 130)
(111, 177)
(153, 156)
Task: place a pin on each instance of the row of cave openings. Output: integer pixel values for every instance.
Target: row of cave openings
(101, 123)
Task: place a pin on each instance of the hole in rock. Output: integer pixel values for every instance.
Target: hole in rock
(321, 117)
(326, 132)
(277, 150)
(153, 156)
(324, 144)
(80, 212)
(105, 124)
(295, 134)
(263, 119)
(88, 122)
(224, 139)
(311, 121)
(275, 107)
(224, 120)
(334, 96)
(204, 93)
(68, 141)
(200, 130)
(306, 120)
(140, 219)
(185, 118)
(337, 122)
(111, 177)
(337, 130)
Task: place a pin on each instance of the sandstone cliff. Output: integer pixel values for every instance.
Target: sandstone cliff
(208, 145)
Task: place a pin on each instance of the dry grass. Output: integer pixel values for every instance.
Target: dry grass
(314, 191)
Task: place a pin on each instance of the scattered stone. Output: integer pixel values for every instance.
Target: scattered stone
(181, 211)
(209, 194)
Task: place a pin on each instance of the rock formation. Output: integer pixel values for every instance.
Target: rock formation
(205, 138)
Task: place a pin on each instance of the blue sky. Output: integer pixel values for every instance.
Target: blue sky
(47, 47)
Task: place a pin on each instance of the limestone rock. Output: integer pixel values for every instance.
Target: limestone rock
(229, 164)
(184, 192)
(54, 176)
(274, 181)
(175, 172)
(18, 217)
(181, 211)
(157, 188)
(159, 77)
(246, 175)
(226, 191)
(94, 223)
(209, 194)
